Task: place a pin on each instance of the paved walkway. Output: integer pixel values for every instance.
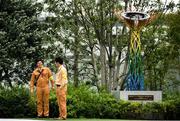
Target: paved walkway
(79, 120)
(18, 120)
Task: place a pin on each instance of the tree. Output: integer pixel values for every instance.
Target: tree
(160, 54)
(84, 28)
(90, 27)
(20, 39)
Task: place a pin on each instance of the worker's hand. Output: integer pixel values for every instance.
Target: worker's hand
(32, 92)
(52, 88)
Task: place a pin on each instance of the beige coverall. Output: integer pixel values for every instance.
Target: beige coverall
(61, 91)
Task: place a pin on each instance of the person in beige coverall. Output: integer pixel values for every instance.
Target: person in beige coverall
(61, 88)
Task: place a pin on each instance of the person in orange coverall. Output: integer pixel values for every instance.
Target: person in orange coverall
(42, 88)
(61, 88)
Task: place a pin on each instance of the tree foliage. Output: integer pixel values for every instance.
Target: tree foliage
(20, 38)
(81, 31)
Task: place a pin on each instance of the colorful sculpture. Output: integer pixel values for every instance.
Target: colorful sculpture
(135, 21)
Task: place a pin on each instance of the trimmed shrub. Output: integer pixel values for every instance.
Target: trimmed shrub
(83, 102)
(16, 102)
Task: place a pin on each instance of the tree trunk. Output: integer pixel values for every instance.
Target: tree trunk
(117, 70)
(103, 65)
(76, 48)
(124, 75)
(102, 47)
(76, 72)
(94, 68)
(7, 76)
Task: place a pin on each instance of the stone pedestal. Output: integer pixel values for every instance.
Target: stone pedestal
(139, 96)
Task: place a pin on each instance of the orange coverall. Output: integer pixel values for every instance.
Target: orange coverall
(61, 91)
(42, 90)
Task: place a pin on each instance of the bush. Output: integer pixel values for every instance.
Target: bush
(16, 102)
(82, 102)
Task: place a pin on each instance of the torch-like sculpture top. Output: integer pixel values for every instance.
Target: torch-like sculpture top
(135, 20)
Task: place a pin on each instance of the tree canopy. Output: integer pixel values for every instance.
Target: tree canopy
(91, 39)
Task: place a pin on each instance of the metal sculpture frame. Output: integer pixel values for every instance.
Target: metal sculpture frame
(135, 21)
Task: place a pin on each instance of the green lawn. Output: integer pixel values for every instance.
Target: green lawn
(92, 120)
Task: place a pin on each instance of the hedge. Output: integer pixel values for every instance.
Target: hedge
(84, 103)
